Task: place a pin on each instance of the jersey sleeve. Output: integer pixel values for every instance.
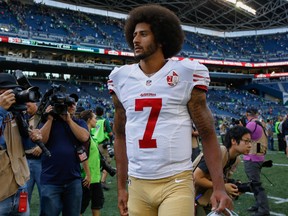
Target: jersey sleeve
(201, 78)
(117, 79)
(111, 80)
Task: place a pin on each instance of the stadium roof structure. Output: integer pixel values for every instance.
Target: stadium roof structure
(218, 15)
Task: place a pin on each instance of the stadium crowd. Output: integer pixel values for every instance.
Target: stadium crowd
(231, 109)
(38, 21)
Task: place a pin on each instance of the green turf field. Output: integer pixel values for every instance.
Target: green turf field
(277, 192)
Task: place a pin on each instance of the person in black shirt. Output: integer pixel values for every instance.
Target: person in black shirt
(237, 141)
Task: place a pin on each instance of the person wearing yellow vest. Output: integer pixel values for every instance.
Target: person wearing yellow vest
(103, 134)
(94, 192)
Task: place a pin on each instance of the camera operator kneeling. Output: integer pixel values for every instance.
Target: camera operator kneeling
(237, 141)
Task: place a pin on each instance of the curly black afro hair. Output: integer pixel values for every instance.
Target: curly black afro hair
(165, 26)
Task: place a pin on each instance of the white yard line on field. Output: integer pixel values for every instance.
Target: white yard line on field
(275, 164)
(277, 214)
(277, 200)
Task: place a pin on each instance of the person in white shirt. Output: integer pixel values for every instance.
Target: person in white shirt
(154, 102)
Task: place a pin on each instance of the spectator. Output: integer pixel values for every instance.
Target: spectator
(61, 185)
(285, 134)
(94, 192)
(14, 167)
(103, 135)
(237, 141)
(33, 154)
(154, 102)
(224, 126)
(254, 160)
(280, 136)
(269, 129)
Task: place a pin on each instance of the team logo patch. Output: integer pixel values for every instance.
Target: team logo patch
(173, 79)
(148, 82)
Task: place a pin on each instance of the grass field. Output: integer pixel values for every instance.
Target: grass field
(277, 191)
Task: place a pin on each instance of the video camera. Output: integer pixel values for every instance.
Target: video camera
(56, 97)
(29, 94)
(241, 121)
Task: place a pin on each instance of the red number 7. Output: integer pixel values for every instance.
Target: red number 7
(156, 105)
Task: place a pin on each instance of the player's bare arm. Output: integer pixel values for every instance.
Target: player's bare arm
(203, 119)
(120, 154)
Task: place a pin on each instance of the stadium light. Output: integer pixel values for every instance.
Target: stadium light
(243, 6)
(232, 1)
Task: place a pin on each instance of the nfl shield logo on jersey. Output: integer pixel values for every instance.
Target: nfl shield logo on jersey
(148, 82)
(173, 79)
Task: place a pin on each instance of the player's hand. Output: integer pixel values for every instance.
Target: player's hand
(220, 200)
(123, 202)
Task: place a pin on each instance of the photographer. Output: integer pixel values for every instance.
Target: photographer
(14, 171)
(254, 160)
(237, 141)
(33, 152)
(61, 184)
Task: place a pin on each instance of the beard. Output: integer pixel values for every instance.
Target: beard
(150, 50)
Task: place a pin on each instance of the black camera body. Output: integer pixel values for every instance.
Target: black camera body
(244, 187)
(60, 100)
(56, 97)
(25, 93)
(105, 166)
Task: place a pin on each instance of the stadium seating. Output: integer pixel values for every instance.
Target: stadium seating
(46, 23)
(233, 103)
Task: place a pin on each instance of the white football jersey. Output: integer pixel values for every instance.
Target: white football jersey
(158, 128)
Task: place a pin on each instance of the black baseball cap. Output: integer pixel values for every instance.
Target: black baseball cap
(74, 96)
(7, 81)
